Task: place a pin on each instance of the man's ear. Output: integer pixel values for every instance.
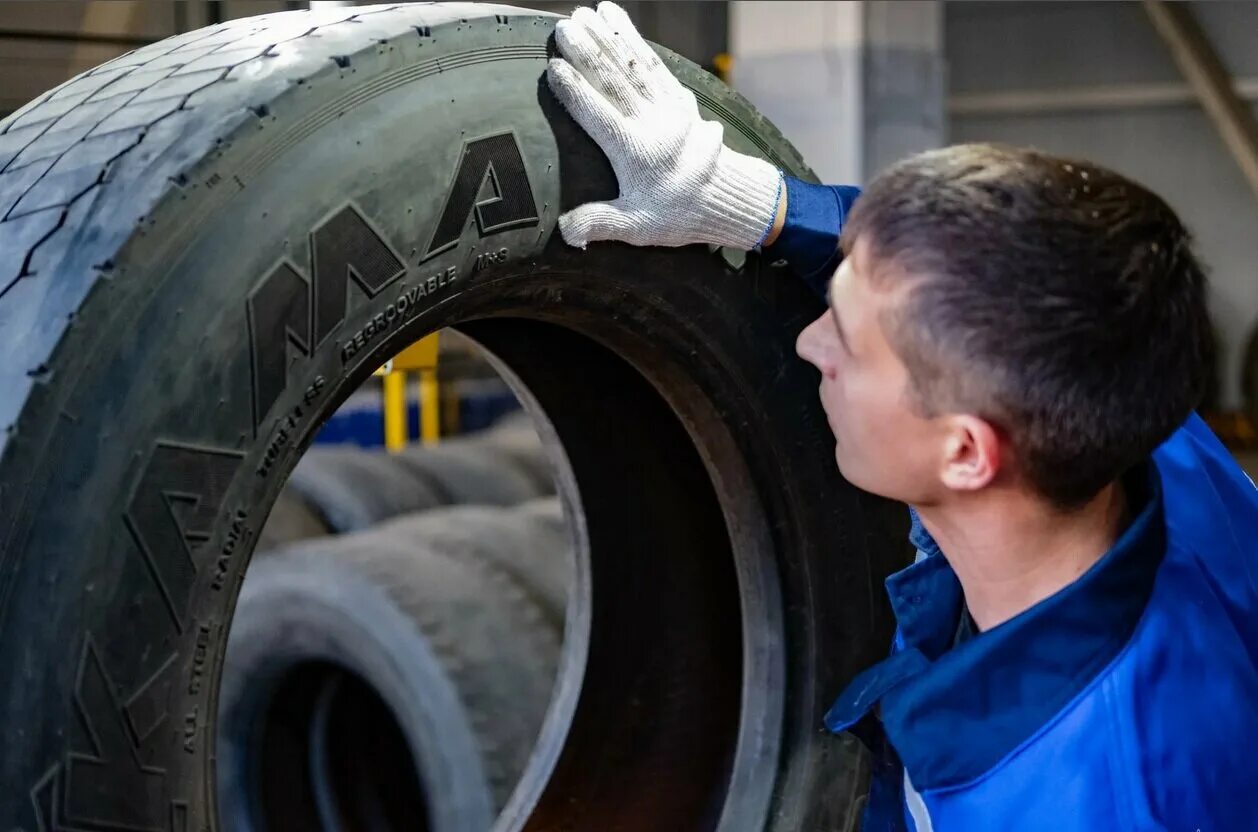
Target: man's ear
(973, 453)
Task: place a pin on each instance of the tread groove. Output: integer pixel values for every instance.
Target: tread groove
(65, 209)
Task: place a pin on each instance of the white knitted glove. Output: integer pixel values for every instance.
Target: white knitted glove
(679, 183)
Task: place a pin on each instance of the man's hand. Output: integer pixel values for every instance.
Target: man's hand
(679, 184)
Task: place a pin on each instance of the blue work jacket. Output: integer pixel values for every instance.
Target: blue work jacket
(1126, 701)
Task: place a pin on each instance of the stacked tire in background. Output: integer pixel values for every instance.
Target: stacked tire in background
(209, 243)
(396, 676)
(343, 489)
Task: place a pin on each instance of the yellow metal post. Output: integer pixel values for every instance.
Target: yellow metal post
(723, 62)
(450, 416)
(419, 357)
(429, 407)
(395, 410)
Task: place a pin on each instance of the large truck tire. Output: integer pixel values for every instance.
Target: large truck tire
(210, 242)
(373, 608)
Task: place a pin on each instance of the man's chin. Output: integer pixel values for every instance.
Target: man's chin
(854, 477)
(838, 461)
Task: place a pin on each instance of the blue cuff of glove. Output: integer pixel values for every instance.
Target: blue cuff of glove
(777, 203)
(809, 240)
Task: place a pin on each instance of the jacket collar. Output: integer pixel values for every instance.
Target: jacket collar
(953, 713)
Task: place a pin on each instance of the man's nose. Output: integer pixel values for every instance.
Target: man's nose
(810, 345)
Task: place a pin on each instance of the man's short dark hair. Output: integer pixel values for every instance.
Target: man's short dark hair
(1056, 299)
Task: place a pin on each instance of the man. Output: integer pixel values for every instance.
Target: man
(1012, 346)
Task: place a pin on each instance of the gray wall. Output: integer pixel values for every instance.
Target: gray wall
(854, 86)
(1003, 46)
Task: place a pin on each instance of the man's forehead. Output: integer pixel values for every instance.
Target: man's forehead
(832, 286)
(844, 282)
(853, 281)
(860, 303)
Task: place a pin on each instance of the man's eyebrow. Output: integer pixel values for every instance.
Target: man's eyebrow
(834, 313)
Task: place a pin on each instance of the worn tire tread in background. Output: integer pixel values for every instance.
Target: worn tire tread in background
(520, 444)
(502, 651)
(308, 620)
(352, 489)
(291, 519)
(470, 471)
(210, 242)
(490, 637)
(530, 542)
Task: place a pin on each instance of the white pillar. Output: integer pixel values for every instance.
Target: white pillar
(854, 85)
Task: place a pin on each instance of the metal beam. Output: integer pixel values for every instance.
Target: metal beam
(1106, 98)
(1210, 80)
